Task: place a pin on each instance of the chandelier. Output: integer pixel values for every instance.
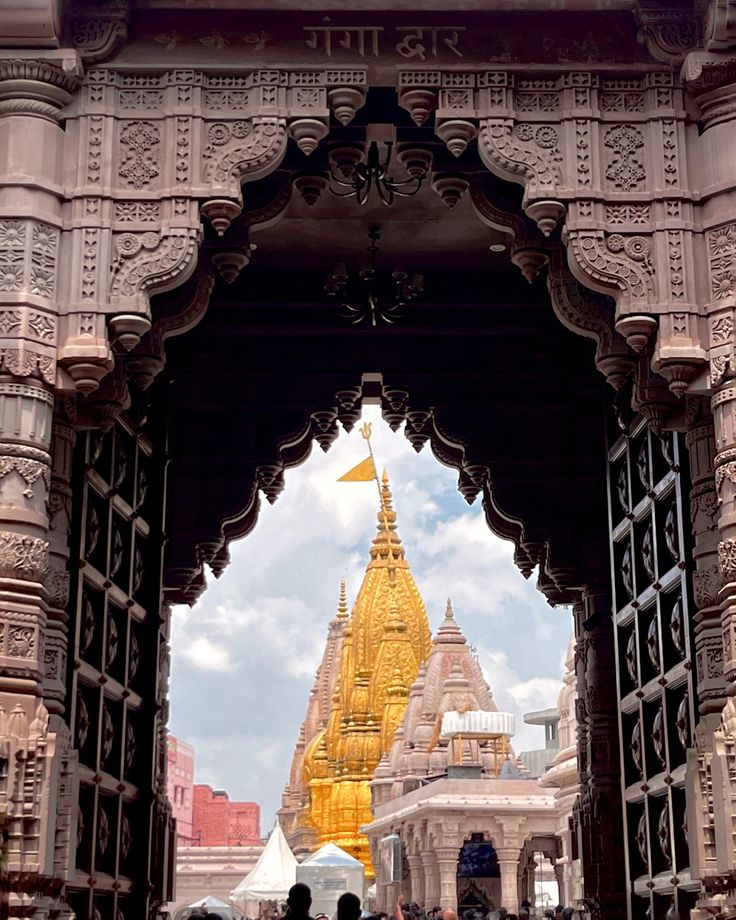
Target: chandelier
(373, 174)
(381, 297)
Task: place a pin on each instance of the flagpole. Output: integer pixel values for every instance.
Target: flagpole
(366, 431)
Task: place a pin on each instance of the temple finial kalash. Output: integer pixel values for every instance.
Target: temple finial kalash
(369, 670)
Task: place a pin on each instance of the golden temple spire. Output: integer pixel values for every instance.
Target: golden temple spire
(385, 640)
(387, 547)
(342, 604)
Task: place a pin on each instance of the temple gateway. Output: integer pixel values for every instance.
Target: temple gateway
(546, 194)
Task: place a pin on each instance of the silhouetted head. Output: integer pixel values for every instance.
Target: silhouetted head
(299, 900)
(213, 917)
(348, 906)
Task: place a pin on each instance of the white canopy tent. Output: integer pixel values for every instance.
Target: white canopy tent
(329, 873)
(215, 906)
(271, 877)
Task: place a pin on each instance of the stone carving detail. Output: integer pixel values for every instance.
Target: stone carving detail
(28, 257)
(139, 141)
(96, 34)
(147, 260)
(722, 260)
(625, 169)
(21, 642)
(621, 261)
(706, 585)
(29, 470)
(528, 150)
(669, 33)
(243, 146)
(28, 265)
(628, 214)
(137, 211)
(727, 557)
(23, 557)
(590, 314)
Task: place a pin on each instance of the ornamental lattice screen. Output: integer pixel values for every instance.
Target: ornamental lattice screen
(651, 565)
(118, 676)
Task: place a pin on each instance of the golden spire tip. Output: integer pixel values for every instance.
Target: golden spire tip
(342, 604)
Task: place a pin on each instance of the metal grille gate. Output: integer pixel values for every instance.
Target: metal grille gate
(118, 671)
(651, 572)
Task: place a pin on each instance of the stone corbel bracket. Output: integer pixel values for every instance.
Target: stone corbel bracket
(668, 32)
(607, 156)
(153, 153)
(97, 29)
(592, 315)
(526, 243)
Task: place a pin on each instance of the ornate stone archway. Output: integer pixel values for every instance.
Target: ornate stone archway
(120, 131)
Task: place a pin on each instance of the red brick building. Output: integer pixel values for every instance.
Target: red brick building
(218, 822)
(180, 786)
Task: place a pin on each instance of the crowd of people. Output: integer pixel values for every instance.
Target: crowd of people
(349, 907)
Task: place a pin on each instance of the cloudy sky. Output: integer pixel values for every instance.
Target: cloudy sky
(243, 659)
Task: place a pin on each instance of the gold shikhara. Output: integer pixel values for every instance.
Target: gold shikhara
(383, 643)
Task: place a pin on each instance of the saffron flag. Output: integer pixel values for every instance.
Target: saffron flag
(363, 472)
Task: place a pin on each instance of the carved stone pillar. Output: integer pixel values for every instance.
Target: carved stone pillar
(600, 787)
(57, 581)
(447, 866)
(724, 415)
(708, 654)
(36, 795)
(701, 446)
(508, 862)
(416, 877)
(562, 896)
(431, 878)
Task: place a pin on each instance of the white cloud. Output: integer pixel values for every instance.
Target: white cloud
(206, 655)
(243, 659)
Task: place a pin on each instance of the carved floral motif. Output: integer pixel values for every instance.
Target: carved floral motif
(722, 260)
(139, 141)
(23, 556)
(727, 557)
(21, 641)
(625, 169)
